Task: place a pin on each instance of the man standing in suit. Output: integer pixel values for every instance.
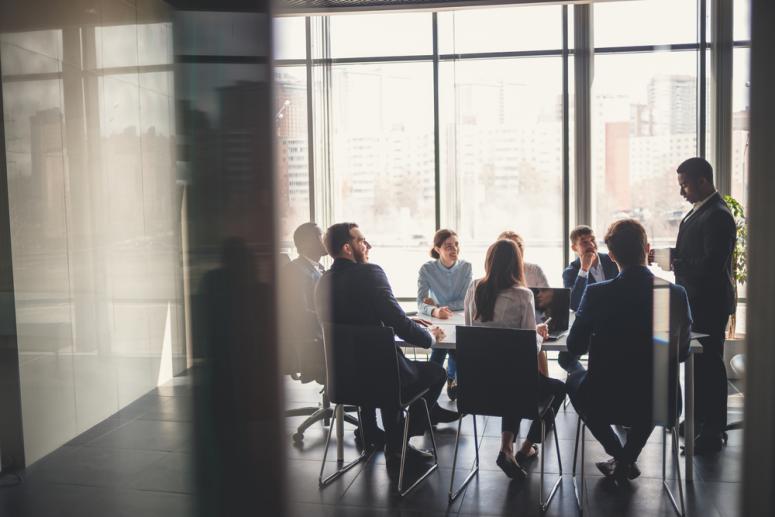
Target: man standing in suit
(355, 292)
(702, 262)
(614, 323)
(589, 267)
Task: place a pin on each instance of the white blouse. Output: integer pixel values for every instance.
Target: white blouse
(514, 308)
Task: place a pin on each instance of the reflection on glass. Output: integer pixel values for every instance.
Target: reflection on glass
(383, 172)
(376, 35)
(292, 153)
(501, 131)
(94, 222)
(500, 29)
(643, 127)
(645, 22)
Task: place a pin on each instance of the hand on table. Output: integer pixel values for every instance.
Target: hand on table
(443, 313)
(438, 333)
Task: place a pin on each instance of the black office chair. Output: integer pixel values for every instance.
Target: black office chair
(362, 370)
(304, 361)
(626, 395)
(498, 376)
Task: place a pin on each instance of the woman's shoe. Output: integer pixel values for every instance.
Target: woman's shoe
(523, 458)
(510, 467)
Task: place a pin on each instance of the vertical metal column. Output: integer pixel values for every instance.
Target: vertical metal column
(436, 129)
(721, 91)
(565, 141)
(583, 67)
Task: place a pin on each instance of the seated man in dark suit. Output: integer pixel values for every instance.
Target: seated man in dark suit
(615, 324)
(355, 292)
(302, 334)
(589, 267)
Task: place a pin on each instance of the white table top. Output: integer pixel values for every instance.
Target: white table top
(449, 342)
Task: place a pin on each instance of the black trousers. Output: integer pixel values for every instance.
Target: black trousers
(431, 376)
(710, 379)
(637, 435)
(547, 386)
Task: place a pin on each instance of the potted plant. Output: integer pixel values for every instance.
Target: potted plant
(735, 343)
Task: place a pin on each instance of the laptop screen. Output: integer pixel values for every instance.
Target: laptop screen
(552, 303)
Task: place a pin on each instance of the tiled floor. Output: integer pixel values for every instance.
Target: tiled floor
(369, 490)
(139, 463)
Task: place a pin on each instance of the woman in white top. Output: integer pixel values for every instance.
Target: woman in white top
(500, 299)
(534, 275)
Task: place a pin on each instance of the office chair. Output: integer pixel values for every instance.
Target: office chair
(498, 376)
(362, 370)
(304, 361)
(624, 396)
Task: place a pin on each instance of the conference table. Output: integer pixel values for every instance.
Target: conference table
(448, 342)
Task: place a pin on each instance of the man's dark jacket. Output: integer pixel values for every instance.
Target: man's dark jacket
(571, 279)
(359, 294)
(702, 259)
(614, 324)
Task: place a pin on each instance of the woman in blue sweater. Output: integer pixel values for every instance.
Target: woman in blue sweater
(441, 290)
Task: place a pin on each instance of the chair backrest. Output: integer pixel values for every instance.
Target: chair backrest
(497, 371)
(620, 378)
(361, 365)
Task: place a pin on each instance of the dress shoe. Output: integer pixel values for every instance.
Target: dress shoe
(439, 415)
(634, 472)
(607, 467)
(707, 444)
(375, 439)
(510, 467)
(393, 455)
(452, 389)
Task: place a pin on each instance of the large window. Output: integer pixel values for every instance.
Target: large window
(382, 161)
(502, 139)
(469, 131)
(643, 127)
(644, 113)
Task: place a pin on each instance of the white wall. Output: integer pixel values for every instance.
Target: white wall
(94, 208)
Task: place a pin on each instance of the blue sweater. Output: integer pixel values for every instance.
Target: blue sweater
(447, 287)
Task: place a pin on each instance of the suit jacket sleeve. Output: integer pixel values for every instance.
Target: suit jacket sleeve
(718, 241)
(581, 331)
(577, 285)
(392, 315)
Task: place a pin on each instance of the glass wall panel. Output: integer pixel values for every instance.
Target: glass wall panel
(290, 40)
(382, 162)
(742, 20)
(375, 35)
(741, 90)
(501, 156)
(500, 29)
(643, 126)
(645, 22)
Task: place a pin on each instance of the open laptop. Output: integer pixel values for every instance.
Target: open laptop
(552, 303)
